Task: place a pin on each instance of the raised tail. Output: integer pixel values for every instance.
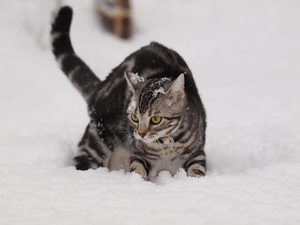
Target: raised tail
(76, 70)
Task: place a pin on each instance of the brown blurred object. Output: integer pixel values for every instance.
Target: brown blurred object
(115, 16)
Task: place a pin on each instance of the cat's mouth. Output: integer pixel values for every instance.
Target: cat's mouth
(145, 139)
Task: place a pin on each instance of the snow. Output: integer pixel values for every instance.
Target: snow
(131, 106)
(135, 78)
(245, 59)
(159, 90)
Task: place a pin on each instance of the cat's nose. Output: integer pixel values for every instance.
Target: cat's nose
(141, 134)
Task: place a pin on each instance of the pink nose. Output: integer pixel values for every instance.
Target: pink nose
(142, 134)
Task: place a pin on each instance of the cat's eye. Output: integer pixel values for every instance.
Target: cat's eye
(134, 118)
(156, 119)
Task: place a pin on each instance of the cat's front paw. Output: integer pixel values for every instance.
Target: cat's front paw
(196, 170)
(138, 168)
(82, 162)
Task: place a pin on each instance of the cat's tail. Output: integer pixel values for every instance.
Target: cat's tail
(76, 70)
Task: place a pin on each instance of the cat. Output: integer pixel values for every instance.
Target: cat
(145, 117)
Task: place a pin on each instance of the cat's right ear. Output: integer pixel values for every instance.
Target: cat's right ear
(133, 79)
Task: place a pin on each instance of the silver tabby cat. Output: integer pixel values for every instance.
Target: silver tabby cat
(145, 117)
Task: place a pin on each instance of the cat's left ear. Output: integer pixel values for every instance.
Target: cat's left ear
(133, 79)
(176, 91)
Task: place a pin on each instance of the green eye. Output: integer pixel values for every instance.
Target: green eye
(155, 119)
(134, 118)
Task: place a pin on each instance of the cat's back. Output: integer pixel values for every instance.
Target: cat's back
(149, 62)
(156, 59)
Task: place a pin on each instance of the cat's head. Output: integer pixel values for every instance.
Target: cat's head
(156, 106)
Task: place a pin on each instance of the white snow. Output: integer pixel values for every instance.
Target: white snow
(135, 78)
(159, 90)
(131, 107)
(245, 58)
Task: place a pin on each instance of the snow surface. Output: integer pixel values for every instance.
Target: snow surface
(245, 58)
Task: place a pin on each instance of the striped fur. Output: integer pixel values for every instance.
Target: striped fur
(145, 117)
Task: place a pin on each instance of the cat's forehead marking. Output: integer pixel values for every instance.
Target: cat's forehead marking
(146, 100)
(150, 93)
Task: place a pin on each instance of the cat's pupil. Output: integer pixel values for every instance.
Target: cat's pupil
(156, 119)
(134, 118)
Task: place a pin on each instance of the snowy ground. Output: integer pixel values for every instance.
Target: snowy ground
(245, 58)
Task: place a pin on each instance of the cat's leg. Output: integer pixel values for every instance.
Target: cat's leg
(92, 153)
(85, 160)
(195, 166)
(140, 166)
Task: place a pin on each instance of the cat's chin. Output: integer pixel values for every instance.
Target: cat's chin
(145, 139)
(148, 141)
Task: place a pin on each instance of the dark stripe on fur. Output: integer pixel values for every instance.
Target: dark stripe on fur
(179, 136)
(173, 118)
(198, 172)
(148, 97)
(95, 146)
(91, 158)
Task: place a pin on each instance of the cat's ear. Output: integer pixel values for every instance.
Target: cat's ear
(176, 91)
(133, 79)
